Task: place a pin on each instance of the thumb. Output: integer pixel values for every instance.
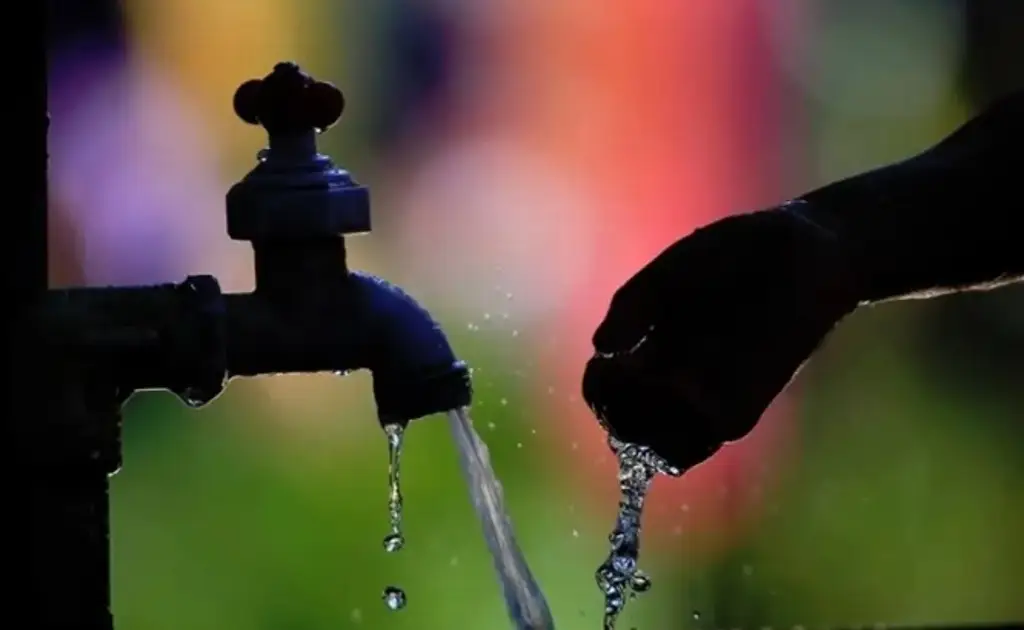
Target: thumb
(636, 306)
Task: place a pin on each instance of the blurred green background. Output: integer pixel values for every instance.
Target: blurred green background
(525, 159)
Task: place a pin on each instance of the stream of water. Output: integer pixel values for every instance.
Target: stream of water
(527, 607)
(393, 596)
(618, 577)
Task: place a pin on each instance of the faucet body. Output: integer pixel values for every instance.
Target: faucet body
(309, 312)
(94, 347)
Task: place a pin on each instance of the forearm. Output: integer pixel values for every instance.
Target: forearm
(946, 220)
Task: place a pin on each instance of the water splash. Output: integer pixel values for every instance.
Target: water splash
(618, 576)
(527, 607)
(394, 597)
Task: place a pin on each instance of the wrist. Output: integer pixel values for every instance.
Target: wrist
(890, 251)
(843, 281)
(940, 222)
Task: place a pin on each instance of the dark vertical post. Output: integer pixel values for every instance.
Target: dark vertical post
(26, 272)
(63, 431)
(24, 249)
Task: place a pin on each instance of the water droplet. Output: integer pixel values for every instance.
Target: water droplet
(748, 570)
(551, 390)
(492, 426)
(356, 616)
(487, 316)
(471, 326)
(508, 296)
(504, 315)
(194, 397)
(575, 533)
(696, 615)
(515, 333)
(454, 561)
(393, 543)
(575, 446)
(519, 445)
(503, 402)
(641, 583)
(533, 431)
(394, 598)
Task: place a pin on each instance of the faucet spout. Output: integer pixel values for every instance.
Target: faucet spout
(309, 312)
(364, 322)
(415, 371)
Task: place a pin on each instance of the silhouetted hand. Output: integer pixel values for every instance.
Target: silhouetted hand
(696, 346)
(698, 343)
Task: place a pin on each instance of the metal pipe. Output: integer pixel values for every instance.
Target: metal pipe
(83, 351)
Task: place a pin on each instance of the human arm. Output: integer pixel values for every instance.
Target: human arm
(699, 342)
(946, 220)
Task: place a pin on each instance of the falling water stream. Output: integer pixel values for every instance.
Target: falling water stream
(524, 600)
(527, 607)
(618, 576)
(394, 597)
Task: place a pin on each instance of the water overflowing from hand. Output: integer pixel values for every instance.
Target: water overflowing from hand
(394, 597)
(527, 607)
(618, 576)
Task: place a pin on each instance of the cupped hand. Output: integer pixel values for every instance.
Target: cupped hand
(697, 344)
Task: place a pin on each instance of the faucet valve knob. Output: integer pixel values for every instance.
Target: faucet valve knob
(295, 193)
(289, 101)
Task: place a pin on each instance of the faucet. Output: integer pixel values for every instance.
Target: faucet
(309, 312)
(92, 348)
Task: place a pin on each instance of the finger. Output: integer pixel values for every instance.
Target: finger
(630, 317)
(637, 306)
(640, 408)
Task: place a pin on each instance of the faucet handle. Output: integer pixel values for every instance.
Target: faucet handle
(289, 101)
(295, 193)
